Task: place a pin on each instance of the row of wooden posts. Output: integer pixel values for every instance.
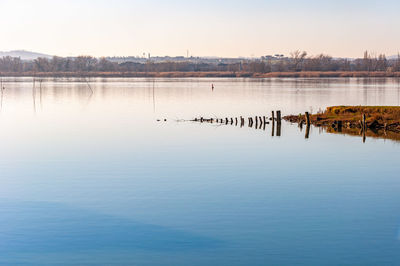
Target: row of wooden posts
(257, 120)
(260, 122)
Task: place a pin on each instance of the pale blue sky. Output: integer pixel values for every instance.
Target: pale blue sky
(205, 28)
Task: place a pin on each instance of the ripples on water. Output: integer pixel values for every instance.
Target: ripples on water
(93, 177)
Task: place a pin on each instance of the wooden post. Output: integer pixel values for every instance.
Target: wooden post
(364, 135)
(278, 129)
(201, 119)
(308, 123)
(226, 120)
(273, 128)
(364, 122)
(256, 120)
(278, 117)
(307, 119)
(273, 116)
(236, 121)
(307, 131)
(264, 119)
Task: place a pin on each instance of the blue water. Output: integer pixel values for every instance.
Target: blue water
(95, 179)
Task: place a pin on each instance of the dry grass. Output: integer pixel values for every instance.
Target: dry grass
(350, 116)
(381, 121)
(381, 114)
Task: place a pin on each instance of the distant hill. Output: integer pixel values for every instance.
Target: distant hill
(24, 55)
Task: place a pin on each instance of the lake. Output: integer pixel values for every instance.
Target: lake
(90, 177)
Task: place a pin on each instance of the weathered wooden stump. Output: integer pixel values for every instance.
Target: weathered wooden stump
(278, 129)
(308, 122)
(364, 127)
(273, 128)
(278, 117)
(307, 131)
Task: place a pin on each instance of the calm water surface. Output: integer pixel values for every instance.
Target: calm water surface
(94, 179)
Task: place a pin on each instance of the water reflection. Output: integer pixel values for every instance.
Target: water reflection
(368, 133)
(363, 134)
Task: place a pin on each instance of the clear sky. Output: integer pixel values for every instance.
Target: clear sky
(206, 28)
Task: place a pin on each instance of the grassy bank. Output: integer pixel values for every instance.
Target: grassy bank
(377, 117)
(308, 74)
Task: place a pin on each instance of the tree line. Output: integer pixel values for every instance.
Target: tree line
(297, 61)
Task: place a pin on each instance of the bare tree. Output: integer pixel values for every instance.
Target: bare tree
(297, 59)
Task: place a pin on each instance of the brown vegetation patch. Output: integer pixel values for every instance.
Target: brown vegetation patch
(381, 121)
(377, 117)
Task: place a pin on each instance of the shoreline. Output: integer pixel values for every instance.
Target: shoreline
(305, 74)
(371, 117)
(380, 120)
(376, 121)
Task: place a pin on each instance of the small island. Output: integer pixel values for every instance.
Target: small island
(373, 121)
